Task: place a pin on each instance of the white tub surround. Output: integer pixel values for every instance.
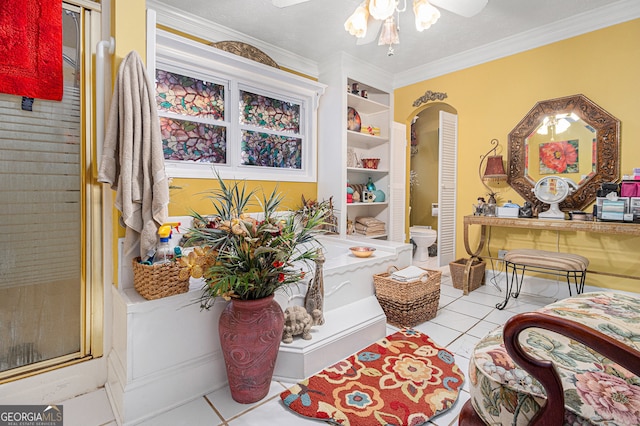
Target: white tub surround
(166, 352)
(353, 317)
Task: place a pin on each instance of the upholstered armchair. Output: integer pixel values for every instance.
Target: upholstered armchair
(576, 361)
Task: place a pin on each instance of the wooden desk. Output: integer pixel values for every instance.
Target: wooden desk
(617, 228)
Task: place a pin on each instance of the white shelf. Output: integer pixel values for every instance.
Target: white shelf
(382, 203)
(365, 140)
(364, 171)
(373, 237)
(364, 105)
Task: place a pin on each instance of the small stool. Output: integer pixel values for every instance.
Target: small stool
(548, 262)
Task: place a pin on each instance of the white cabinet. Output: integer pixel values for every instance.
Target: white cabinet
(339, 147)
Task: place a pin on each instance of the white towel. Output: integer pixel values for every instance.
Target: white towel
(132, 160)
(410, 273)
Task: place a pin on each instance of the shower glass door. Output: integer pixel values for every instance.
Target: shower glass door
(42, 295)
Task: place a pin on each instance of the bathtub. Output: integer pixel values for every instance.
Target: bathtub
(353, 316)
(347, 278)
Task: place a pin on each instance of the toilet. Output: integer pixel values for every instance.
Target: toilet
(423, 237)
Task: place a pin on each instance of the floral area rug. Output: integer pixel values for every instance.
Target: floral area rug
(403, 379)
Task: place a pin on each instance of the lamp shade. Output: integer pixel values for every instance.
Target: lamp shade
(425, 14)
(389, 33)
(495, 168)
(382, 9)
(357, 23)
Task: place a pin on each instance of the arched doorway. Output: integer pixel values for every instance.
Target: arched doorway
(433, 170)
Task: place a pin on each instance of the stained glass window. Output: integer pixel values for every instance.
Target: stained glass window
(268, 150)
(269, 113)
(189, 96)
(191, 118)
(233, 116)
(191, 141)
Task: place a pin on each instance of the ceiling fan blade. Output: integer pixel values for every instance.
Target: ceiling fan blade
(287, 3)
(373, 30)
(466, 8)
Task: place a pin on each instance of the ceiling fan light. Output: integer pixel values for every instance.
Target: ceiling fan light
(389, 33)
(382, 9)
(356, 25)
(426, 15)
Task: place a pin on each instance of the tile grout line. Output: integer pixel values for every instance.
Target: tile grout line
(210, 403)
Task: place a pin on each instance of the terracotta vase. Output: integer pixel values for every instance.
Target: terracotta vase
(250, 335)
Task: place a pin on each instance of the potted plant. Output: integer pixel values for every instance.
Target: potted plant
(245, 260)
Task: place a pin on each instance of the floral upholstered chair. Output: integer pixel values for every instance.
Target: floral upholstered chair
(575, 362)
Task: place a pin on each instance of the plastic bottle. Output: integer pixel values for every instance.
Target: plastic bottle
(164, 253)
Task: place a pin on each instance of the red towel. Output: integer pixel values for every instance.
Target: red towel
(31, 48)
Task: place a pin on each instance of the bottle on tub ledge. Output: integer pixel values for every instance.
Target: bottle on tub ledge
(165, 253)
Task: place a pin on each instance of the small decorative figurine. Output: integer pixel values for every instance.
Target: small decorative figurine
(297, 321)
(479, 208)
(314, 299)
(526, 210)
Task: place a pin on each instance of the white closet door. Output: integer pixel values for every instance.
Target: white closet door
(398, 182)
(448, 140)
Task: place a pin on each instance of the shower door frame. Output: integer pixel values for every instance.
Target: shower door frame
(92, 311)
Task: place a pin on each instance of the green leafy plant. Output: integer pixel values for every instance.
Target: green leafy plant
(245, 257)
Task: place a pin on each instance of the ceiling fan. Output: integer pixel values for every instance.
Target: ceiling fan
(372, 15)
(466, 8)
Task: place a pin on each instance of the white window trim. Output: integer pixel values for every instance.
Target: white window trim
(178, 54)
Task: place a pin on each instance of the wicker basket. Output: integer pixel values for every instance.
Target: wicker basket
(407, 304)
(157, 281)
(476, 275)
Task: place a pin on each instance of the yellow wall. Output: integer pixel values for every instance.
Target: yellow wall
(129, 35)
(492, 98)
(190, 194)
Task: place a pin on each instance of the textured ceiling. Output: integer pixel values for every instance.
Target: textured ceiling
(314, 29)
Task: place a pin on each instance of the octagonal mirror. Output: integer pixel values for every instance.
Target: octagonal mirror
(570, 137)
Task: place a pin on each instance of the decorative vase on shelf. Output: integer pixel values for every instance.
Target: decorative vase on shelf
(250, 334)
(370, 185)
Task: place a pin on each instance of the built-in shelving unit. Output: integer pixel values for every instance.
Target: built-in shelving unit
(374, 111)
(338, 167)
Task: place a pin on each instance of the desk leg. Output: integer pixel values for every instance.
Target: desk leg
(473, 254)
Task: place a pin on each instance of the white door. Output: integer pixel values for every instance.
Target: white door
(448, 141)
(397, 179)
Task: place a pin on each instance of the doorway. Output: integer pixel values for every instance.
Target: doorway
(433, 166)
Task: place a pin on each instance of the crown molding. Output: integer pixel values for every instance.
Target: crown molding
(357, 69)
(198, 27)
(615, 13)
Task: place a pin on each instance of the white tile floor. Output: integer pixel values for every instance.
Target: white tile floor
(461, 321)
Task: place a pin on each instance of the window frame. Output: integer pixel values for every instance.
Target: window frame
(187, 57)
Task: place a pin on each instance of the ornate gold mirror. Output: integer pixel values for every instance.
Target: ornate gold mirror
(570, 137)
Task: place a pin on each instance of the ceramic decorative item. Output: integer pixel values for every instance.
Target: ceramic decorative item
(297, 321)
(380, 196)
(250, 333)
(314, 299)
(370, 163)
(361, 251)
(353, 120)
(352, 158)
